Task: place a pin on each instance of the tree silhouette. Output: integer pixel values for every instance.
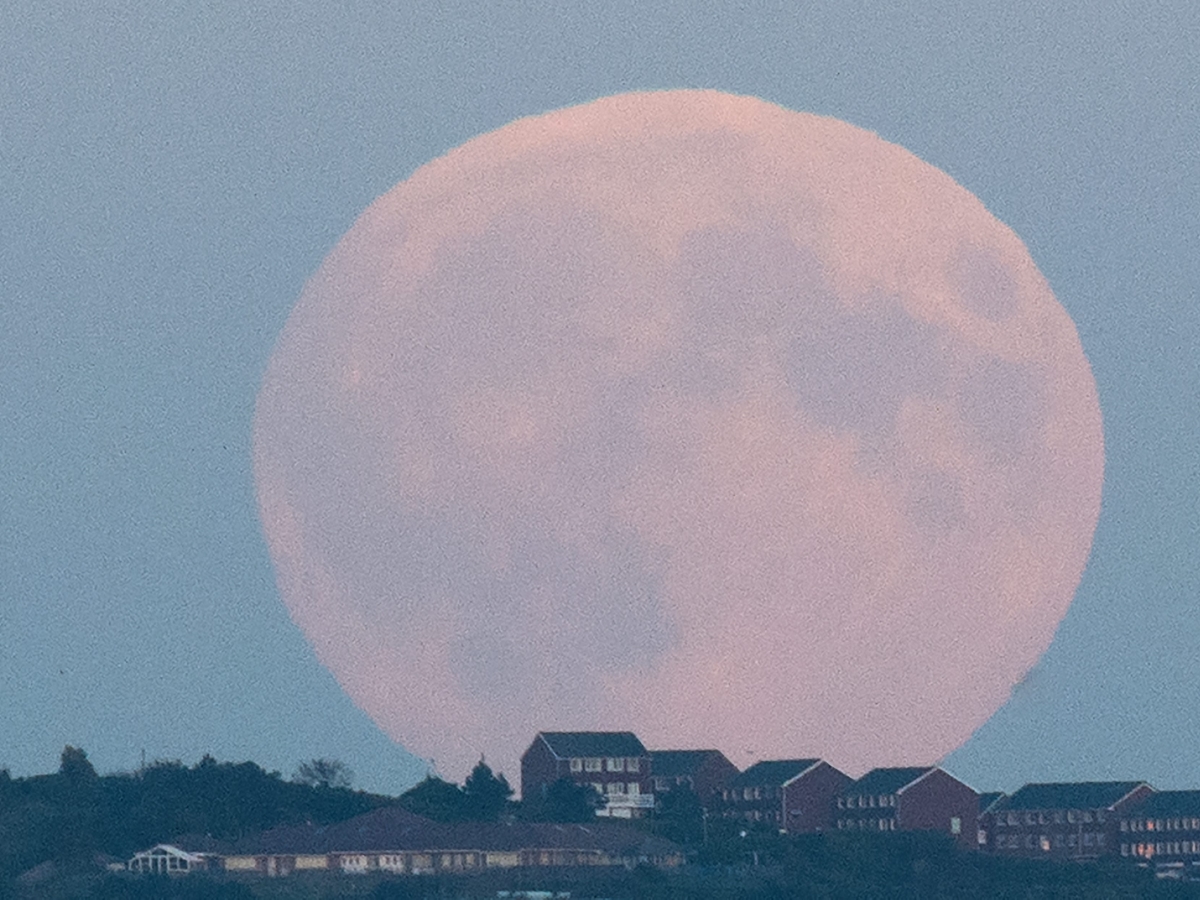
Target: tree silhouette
(486, 794)
(75, 766)
(324, 773)
(563, 801)
(436, 799)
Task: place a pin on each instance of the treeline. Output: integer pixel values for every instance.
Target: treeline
(77, 821)
(76, 818)
(57, 832)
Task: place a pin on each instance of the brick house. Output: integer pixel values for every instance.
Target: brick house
(1063, 820)
(705, 772)
(615, 763)
(1163, 828)
(791, 794)
(921, 798)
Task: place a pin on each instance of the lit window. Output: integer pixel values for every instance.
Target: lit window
(1044, 842)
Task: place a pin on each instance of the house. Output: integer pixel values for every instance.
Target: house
(615, 763)
(919, 798)
(1063, 820)
(792, 794)
(167, 859)
(393, 841)
(1163, 829)
(705, 772)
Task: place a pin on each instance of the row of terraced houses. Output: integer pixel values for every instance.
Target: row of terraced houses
(1066, 821)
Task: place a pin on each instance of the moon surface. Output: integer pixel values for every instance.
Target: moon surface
(686, 414)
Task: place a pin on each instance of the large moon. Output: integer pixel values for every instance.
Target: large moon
(686, 414)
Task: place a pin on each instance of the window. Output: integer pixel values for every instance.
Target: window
(955, 825)
(616, 764)
(1012, 819)
(1087, 815)
(1071, 816)
(747, 793)
(614, 787)
(591, 764)
(576, 764)
(633, 789)
(633, 764)
(1044, 842)
(597, 787)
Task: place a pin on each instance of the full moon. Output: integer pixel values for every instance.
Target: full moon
(685, 414)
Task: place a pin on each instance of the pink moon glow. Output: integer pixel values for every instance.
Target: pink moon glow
(686, 414)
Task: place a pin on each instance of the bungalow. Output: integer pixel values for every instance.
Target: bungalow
(391, 840)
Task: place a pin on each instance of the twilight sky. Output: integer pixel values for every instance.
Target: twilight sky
(173, 175)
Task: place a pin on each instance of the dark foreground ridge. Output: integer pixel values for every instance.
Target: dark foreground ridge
(232, 830)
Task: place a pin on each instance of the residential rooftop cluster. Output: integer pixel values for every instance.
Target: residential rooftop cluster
(1079, 821)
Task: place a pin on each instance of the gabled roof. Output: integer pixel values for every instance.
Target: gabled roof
(774, 772)
(887, 781)
(567, 744)
(169, 850)
(393, 829)
(1167, 803)
(1072, 795)
(990, 799)
(672, 763)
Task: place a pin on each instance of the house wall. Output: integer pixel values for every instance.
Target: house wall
(809, 800)
(940, 802)
(1060, 833)
(714, 774)
(539, 769)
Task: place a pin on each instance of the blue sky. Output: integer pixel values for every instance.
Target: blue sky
(172, 174)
